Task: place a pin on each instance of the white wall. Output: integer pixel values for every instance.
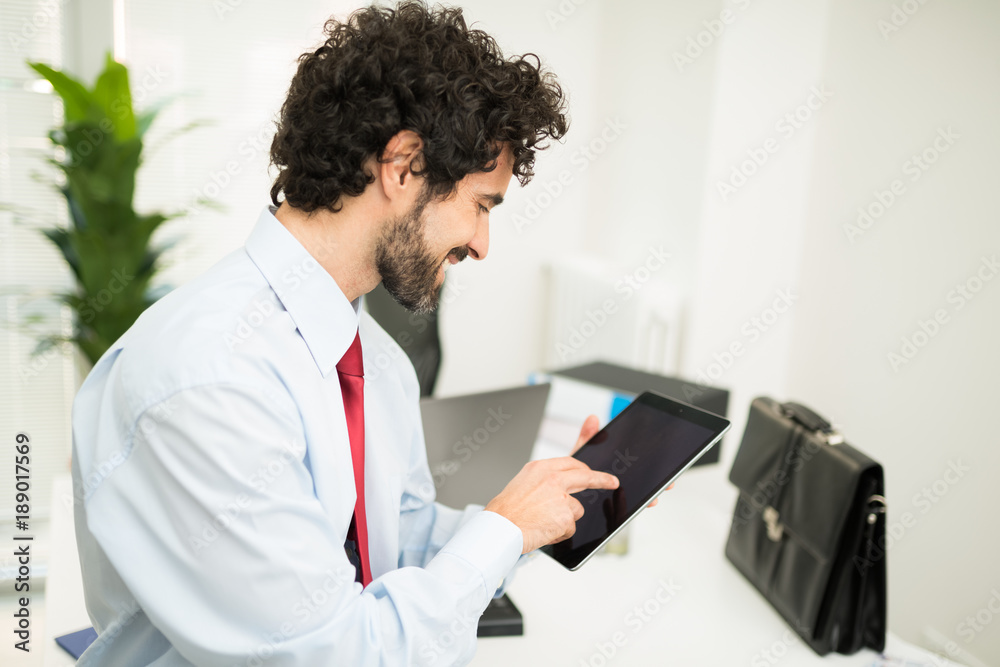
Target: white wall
(679, 132)
(882, 98)
(851, 303)
(625, 194)
(745, 297)
(227, 63)
(494, 313)
(858, 300)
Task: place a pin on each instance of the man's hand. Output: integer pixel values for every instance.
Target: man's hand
(538, 499)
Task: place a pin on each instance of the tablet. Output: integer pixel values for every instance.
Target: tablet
(647, 446)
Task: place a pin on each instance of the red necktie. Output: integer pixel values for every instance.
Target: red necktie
(351, 370)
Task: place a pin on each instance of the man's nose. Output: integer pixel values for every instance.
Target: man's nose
(480, 243)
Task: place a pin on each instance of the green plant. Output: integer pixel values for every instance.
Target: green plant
(107, 244)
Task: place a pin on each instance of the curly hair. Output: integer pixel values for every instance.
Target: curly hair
(385, 70)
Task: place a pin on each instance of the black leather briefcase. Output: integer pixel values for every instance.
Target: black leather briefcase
(809, 527)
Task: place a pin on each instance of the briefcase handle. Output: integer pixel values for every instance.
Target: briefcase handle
(806, 417)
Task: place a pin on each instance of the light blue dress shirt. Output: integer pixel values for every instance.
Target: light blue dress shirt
(214, 488)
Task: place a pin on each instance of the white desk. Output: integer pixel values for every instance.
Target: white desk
(713, 617)
(65, 609)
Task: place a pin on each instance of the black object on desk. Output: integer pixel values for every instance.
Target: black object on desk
(634, 381)
(501, 619)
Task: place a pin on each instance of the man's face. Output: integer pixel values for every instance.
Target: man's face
(413, 251)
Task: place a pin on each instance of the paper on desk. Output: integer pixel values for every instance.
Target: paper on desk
(569, 403)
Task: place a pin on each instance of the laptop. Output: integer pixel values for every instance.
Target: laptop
(477, 443)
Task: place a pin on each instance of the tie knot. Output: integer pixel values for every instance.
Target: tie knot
(351, 363)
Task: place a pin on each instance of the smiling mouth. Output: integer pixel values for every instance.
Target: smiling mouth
(454, 257)
(450, 259)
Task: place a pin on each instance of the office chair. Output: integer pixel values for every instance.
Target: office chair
(424, 343)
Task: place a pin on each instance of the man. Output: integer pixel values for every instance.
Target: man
(252, 487)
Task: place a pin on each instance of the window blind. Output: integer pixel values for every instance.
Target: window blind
(35, 391)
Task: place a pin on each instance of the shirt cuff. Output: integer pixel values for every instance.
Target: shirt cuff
(491, 543)
(510, 575)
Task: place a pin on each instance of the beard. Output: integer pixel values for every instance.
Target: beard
(408, 267)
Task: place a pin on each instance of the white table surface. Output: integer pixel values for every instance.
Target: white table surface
(712, 616)
(715, 616)
(65, 610)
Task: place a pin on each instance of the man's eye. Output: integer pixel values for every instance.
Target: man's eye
(483, 209)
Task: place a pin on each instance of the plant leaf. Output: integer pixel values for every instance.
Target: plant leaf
(112, 93)
(62, 240)
(78, 102)
(107, 244)
(75, 212)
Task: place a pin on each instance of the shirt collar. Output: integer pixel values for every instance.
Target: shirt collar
(324, 317)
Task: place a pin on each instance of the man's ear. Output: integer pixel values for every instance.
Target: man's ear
(402, 155)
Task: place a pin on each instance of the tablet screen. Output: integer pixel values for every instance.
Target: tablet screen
(646, 446)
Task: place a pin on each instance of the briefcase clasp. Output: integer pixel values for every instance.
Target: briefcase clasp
(774, 528)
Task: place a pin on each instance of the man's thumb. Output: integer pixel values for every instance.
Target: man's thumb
(591, 425)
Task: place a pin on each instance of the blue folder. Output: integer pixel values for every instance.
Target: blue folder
(77, 642)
